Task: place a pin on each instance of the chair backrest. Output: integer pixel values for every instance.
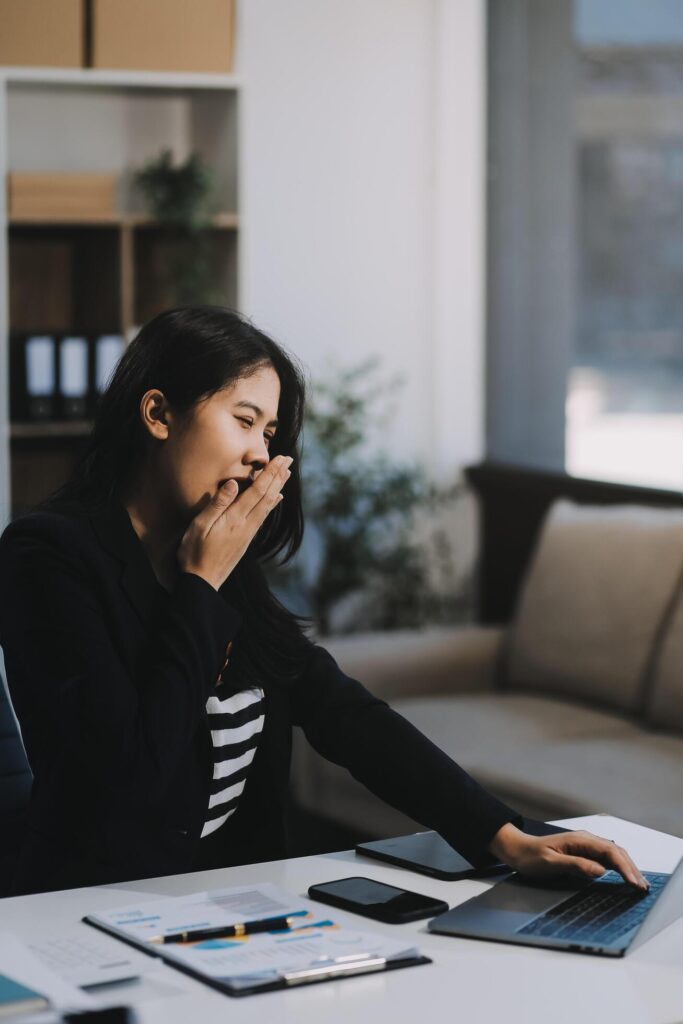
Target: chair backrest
(15, 788)
(15, 773)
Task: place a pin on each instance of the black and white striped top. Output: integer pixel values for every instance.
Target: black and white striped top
(236, 722)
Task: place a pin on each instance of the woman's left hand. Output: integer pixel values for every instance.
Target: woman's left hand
(580, 854)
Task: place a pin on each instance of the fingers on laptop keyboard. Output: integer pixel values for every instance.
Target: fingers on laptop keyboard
(606, 854)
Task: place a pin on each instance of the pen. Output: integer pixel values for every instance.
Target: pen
(268, 924)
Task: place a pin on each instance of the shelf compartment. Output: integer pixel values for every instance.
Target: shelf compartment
(159, 251)
(38, 466)
(62, 281)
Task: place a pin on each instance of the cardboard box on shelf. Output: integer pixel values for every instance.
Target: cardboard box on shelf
(163, 35)
(42, 33)
(61, 196)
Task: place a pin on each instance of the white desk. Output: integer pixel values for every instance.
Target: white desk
(468, 982)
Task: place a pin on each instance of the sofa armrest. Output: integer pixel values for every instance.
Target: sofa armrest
(411, 663)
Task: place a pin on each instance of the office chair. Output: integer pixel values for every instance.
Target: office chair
(15, 788)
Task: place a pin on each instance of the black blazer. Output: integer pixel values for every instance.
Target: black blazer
(109, 675)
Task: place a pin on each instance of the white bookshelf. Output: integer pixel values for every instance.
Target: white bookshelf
(55, 119)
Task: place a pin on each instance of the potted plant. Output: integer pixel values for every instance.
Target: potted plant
(178, 197)
(374, 556)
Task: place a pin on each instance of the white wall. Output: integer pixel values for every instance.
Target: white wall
(362, 199)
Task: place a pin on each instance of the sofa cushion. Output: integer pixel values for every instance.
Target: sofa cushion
(664, 706)
(633, 774)
(473, 728)
(487, 734)
(599, 588)
(549, 753)
(411, 663)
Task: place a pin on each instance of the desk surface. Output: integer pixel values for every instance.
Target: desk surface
(468, 981)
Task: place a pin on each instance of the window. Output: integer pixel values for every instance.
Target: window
(586, 273)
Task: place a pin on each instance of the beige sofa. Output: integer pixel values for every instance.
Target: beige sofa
(576, 707)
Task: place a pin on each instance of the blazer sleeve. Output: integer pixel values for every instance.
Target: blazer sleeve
(71, 687)
(351, 727)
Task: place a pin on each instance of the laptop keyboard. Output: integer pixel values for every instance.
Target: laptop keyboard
(601, 913)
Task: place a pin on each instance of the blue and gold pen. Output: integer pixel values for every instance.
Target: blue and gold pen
(227, 931)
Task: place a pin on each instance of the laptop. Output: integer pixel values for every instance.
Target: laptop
(605, 917)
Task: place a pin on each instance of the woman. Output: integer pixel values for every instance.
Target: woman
(156, 678)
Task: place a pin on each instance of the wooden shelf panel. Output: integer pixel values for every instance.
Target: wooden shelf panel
(41, 431)
(88, 77)
(219, 221)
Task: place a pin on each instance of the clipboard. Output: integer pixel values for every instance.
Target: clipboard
(285, 980)
(294, 979)
(345, 952)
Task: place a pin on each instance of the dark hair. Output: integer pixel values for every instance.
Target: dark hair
(190, 354)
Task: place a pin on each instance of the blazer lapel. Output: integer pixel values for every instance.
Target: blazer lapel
(116, 534)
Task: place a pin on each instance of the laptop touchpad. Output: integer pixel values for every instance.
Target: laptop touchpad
(522, 896)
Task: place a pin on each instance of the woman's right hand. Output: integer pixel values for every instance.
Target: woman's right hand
(579, 854)
(220, 534)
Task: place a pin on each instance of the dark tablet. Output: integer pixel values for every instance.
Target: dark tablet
(429, 854)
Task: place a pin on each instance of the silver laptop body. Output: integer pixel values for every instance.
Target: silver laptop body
(518, 911)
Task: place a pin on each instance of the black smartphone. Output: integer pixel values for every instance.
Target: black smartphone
(375, 899)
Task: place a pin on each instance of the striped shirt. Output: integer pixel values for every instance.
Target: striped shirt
(236, 722)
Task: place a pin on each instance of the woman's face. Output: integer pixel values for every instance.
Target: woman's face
(223, 437)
